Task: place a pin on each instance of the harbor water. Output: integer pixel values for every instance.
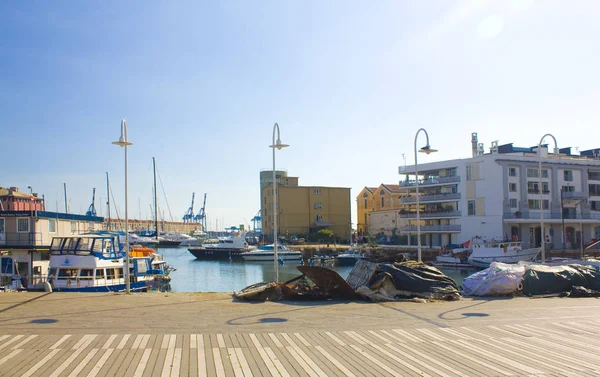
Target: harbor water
(194, 275)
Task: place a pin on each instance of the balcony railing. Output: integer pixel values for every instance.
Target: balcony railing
(430, 214)
(432, 228)
(574, 195)
(430, 198)
(552, 216)
(16, 239)
(430, 181)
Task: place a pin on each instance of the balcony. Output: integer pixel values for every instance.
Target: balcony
(20, 240)
(551, 216)
(446, 228)
(574, 195)
(431, 198)
(430, 181)
(430, 214)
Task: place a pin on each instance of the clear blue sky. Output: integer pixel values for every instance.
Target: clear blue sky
(350, 82)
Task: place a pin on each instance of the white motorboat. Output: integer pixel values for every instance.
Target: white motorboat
(455, 258)
(267, 253)
(501, 251)
(226, 248)
(349, 257)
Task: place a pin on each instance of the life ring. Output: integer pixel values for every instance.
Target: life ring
(515, 248)
(520, 286)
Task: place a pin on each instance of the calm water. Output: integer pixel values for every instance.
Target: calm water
(194, 275)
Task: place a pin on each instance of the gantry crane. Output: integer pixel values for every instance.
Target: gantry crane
(92, 208)
(201, 216)
(189, 215)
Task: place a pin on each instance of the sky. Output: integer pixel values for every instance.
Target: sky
(201, 83)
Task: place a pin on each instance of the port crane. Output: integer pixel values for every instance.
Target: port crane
(189, 215)
(92, 208)
(201, 216)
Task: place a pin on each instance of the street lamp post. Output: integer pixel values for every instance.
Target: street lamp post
(426, 149)
(542, 234)
(276, 145)
(124, 143)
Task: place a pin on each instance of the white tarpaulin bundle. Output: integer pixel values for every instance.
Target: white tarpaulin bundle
(499, 279)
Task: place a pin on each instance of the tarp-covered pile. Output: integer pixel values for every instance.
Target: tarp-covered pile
(499, 279)
(572, 280)
(394, 281)
(534, 280)
(373, 281)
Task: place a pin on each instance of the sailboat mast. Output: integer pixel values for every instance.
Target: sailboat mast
(108, 202)
(155, 200)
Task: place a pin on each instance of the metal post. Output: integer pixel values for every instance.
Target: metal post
(124, 143)
(542, 234)
(562, 216)
(276, 144)
(426, 149)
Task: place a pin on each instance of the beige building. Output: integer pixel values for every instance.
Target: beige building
(27, 235)
(377, 209)
(305, 209)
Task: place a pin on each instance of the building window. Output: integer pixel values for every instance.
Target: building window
(532, 173)
(512, 172)
(471, 208)
(365, 218)
(319, 218)
(451, 172)
(382, 192)
(317, 191)
(594, 176)
(52, 226)
(365, 195)
(545, 188)
(1, 225)
(595, 206)
(318, 205)
(568, 175)
(594, 190)
(512, 187)
(23, 225)
(533, 188)
(513, 203)
(73, 227)
(468, 172)
(382, 202)
(365, 203)
(568, 188)
(533, 204)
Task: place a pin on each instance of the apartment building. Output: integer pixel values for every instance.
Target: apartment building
(304, 209)
(502, 195)
(377, 209)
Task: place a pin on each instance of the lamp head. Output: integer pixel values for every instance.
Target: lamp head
(427, 149)
(123, 139)
(279, 145)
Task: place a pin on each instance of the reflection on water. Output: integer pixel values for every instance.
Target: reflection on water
(194, 275)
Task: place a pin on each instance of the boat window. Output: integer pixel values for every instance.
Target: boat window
(110, 273)
(86, 273)
(51, 272)
(141, 265)
(106, 246)
(56, 245)
(99, 274)
(84, 244)
(7, 266)
(67, 273)
(97, 247)
(70, 244)
(120, 273)
(228, 241)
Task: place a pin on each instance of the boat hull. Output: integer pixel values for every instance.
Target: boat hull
(216, 253)
(268, 257)
(137, 286)
(484, 260)
(348, 261)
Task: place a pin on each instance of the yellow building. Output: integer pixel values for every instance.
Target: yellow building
(384, 199)
(305, 209)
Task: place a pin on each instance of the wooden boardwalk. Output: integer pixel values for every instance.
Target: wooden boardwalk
(552, 348)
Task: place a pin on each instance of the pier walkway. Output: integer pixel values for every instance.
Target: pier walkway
(180, 334)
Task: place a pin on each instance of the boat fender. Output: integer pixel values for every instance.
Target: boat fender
(520, 286)
(47, 287)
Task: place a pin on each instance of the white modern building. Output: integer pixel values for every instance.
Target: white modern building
(500, 195)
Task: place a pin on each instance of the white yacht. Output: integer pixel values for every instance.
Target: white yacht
(501, 251)
(267, 253)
